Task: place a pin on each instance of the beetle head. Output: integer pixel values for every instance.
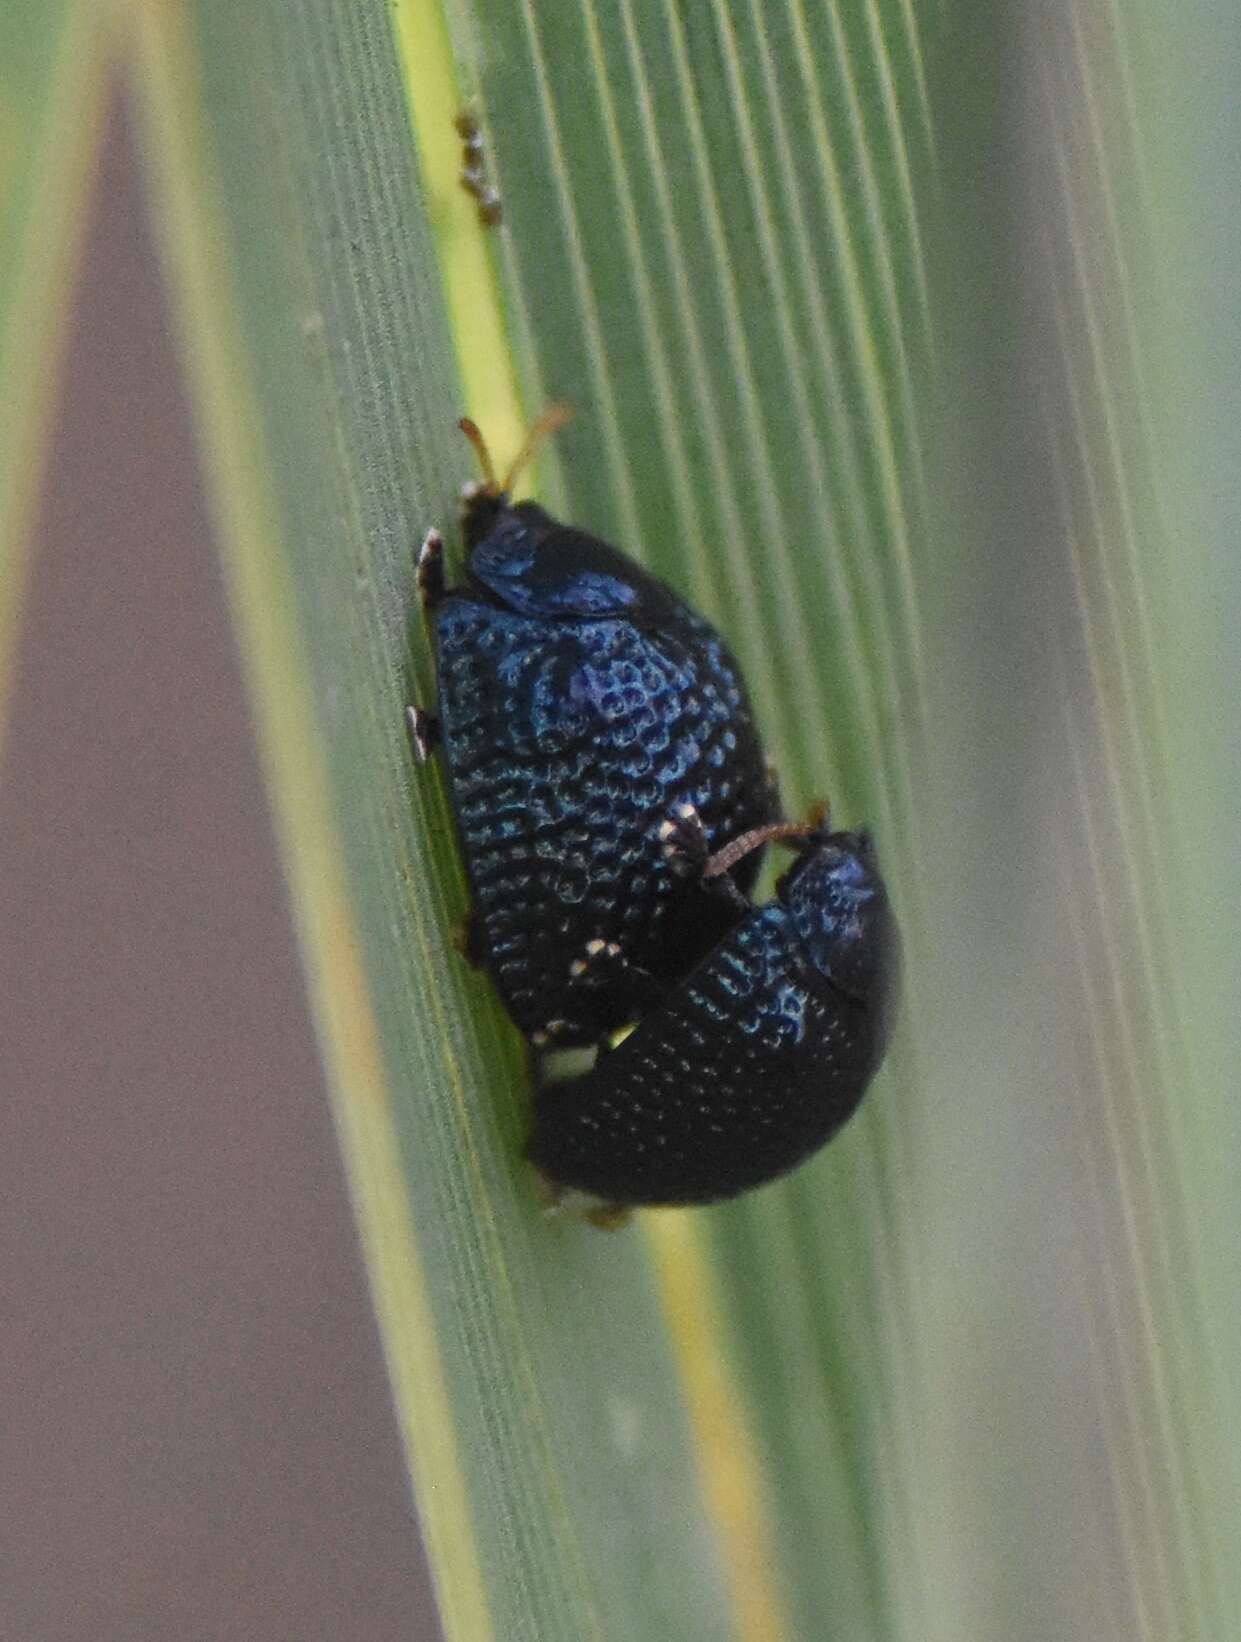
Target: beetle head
(486, 501)
(538, 567)
(541, 568)
(838, 905)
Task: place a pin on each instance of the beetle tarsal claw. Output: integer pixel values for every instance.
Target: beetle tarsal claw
(596, 952)
(569, 1203)
(429, 568)
(423, 730)
(684, 837)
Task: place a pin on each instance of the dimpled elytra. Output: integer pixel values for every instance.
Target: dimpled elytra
(752, 1063)
(583, 707)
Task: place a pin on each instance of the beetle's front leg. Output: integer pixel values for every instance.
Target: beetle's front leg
(424, 732)
(429, 570)
(688, 850)
(603, 965)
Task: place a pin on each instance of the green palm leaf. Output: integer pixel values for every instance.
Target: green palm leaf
(860, 309)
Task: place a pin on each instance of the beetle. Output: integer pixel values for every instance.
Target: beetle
(582, 706)
(748, 1066)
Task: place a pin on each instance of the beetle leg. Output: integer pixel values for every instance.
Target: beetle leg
(578, 1205)
(687, 848)
(722, 884)
(603, 964)
(609, 1216)
(468, 940)
(424, 732)
(685, 842)
(429, 569)
(597, 958)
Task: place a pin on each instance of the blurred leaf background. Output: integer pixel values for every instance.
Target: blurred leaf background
(900, 338)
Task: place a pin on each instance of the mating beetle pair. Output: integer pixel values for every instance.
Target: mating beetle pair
(612, 802)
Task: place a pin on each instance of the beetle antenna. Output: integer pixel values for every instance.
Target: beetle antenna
(470, 430)
(779, 832)
(555, 416)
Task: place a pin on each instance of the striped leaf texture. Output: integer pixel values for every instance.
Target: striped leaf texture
(899, 339)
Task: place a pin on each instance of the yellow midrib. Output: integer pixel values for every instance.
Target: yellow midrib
(729, 1469)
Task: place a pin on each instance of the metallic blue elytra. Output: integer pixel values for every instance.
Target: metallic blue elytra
(582, 706)
(753, 1062)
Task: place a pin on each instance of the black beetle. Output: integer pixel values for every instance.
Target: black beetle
(749, 1065)
(582, 707)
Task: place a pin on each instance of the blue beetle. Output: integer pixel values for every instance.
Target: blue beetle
(583, 707)
(752, 1062)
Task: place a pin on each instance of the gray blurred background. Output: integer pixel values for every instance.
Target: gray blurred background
(198, 1440)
